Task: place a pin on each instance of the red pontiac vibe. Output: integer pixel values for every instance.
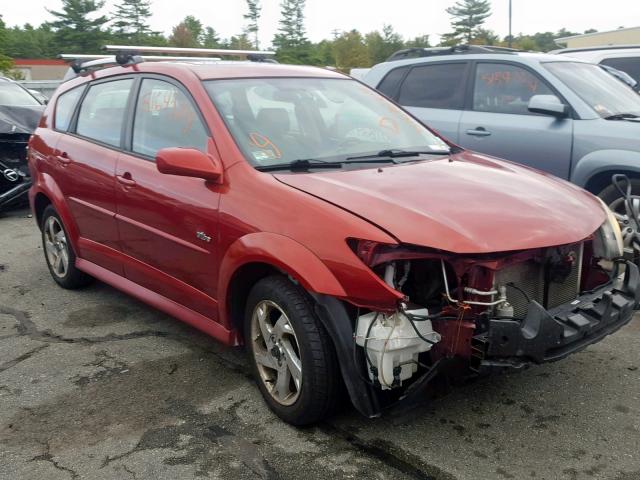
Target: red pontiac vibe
(302, 214)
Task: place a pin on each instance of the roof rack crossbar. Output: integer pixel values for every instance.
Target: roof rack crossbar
(192, 51)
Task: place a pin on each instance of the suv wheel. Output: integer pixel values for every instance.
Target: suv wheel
(610, 194)
(292, 356)
(61, 259)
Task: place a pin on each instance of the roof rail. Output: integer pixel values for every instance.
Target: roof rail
(129, 55)
(454, 50)
(594, 49)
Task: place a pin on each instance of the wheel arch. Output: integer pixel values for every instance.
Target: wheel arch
(593, 171)
(257, 255)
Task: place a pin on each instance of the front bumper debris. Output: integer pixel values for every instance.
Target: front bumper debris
(549, 335)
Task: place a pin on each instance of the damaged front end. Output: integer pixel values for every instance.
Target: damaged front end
(17, 123)
(482, 313)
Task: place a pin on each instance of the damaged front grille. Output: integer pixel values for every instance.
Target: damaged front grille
(551, 281)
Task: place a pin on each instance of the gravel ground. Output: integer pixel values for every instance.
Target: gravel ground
(95, 385)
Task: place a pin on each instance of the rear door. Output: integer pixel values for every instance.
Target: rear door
(434, 92)
(87, 156)
(497, 121)
(167, 223)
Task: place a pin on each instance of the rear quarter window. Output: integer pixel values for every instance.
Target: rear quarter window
(390, 83)
(440, 85)
(65, 105)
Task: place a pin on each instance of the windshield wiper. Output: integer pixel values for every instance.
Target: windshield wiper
(300, 164)
(622, 116)
(396, 153)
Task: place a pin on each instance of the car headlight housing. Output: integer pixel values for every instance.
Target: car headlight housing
(607, 241)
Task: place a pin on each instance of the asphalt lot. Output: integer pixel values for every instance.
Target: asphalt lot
(95, 385)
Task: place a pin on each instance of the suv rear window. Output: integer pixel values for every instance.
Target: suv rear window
(102, 111)
(630, 65)
(435, 86)
(504, 88)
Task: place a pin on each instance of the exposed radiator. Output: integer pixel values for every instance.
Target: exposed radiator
(534, 279)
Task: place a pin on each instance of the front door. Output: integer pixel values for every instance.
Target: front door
(87, 158)
(167, 223)
(500, 124)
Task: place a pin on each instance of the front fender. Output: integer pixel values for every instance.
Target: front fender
(602, 161)
(283, 253)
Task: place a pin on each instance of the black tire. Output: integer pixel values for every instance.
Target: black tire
(71, 278)
(320, 390)
(610, 193)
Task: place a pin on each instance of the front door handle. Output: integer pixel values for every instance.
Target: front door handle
(479, 132)
(63, 158)
(126, 180)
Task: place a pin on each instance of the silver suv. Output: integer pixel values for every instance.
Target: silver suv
(552, 112)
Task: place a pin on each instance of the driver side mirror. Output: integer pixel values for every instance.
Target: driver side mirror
(548, 105)
(189, 162)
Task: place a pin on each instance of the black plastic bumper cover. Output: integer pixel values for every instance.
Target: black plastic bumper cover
(549, 335)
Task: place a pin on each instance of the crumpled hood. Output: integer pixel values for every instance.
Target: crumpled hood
(471, 204)
(17, 119)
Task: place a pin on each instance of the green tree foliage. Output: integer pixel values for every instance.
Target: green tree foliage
(131, 22)
(211, 38)
(467, 18)
(381, 45)
(252, 17)
(291, 40)
(6, 63)
(77, 28)
(350, 51)
(189, 33)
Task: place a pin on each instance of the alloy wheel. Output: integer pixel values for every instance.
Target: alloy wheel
(276, 352)
(56, 246)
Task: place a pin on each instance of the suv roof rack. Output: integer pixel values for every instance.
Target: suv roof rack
(129, 55)
(594, 49)
(454, 50)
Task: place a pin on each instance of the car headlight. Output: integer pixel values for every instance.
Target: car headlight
(607, 241)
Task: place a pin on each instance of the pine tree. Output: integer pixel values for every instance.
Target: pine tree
(131, 20)
(468, 17)
(291, 33)
(76, 31)
(253, 15)
(210, 38)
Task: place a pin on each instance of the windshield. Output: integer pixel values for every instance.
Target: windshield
(281, 120)
(606, 95)
(13, 95)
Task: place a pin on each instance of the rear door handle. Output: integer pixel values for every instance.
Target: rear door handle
(126, 180)
(63, 158)
(479, 132)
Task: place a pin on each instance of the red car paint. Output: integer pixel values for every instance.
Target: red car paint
(134, 227)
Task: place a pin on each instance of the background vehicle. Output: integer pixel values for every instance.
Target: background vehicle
(303, 214)
(552, 112)
(625, 58)
(19, 115)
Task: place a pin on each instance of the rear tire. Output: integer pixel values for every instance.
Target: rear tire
(295, 341)
(58, 252)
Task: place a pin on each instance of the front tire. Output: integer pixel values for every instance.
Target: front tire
(58, 252)
(292, 356)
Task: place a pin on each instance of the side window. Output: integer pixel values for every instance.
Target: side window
(630, 65)
(439, 85)
(102, 112)
(504, 88)
(165, 118)
(390, 83)
(65, 105)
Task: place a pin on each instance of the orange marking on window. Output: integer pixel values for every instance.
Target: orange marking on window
(264, 143)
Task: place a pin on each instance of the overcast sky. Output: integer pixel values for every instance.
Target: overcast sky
(409, 17)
